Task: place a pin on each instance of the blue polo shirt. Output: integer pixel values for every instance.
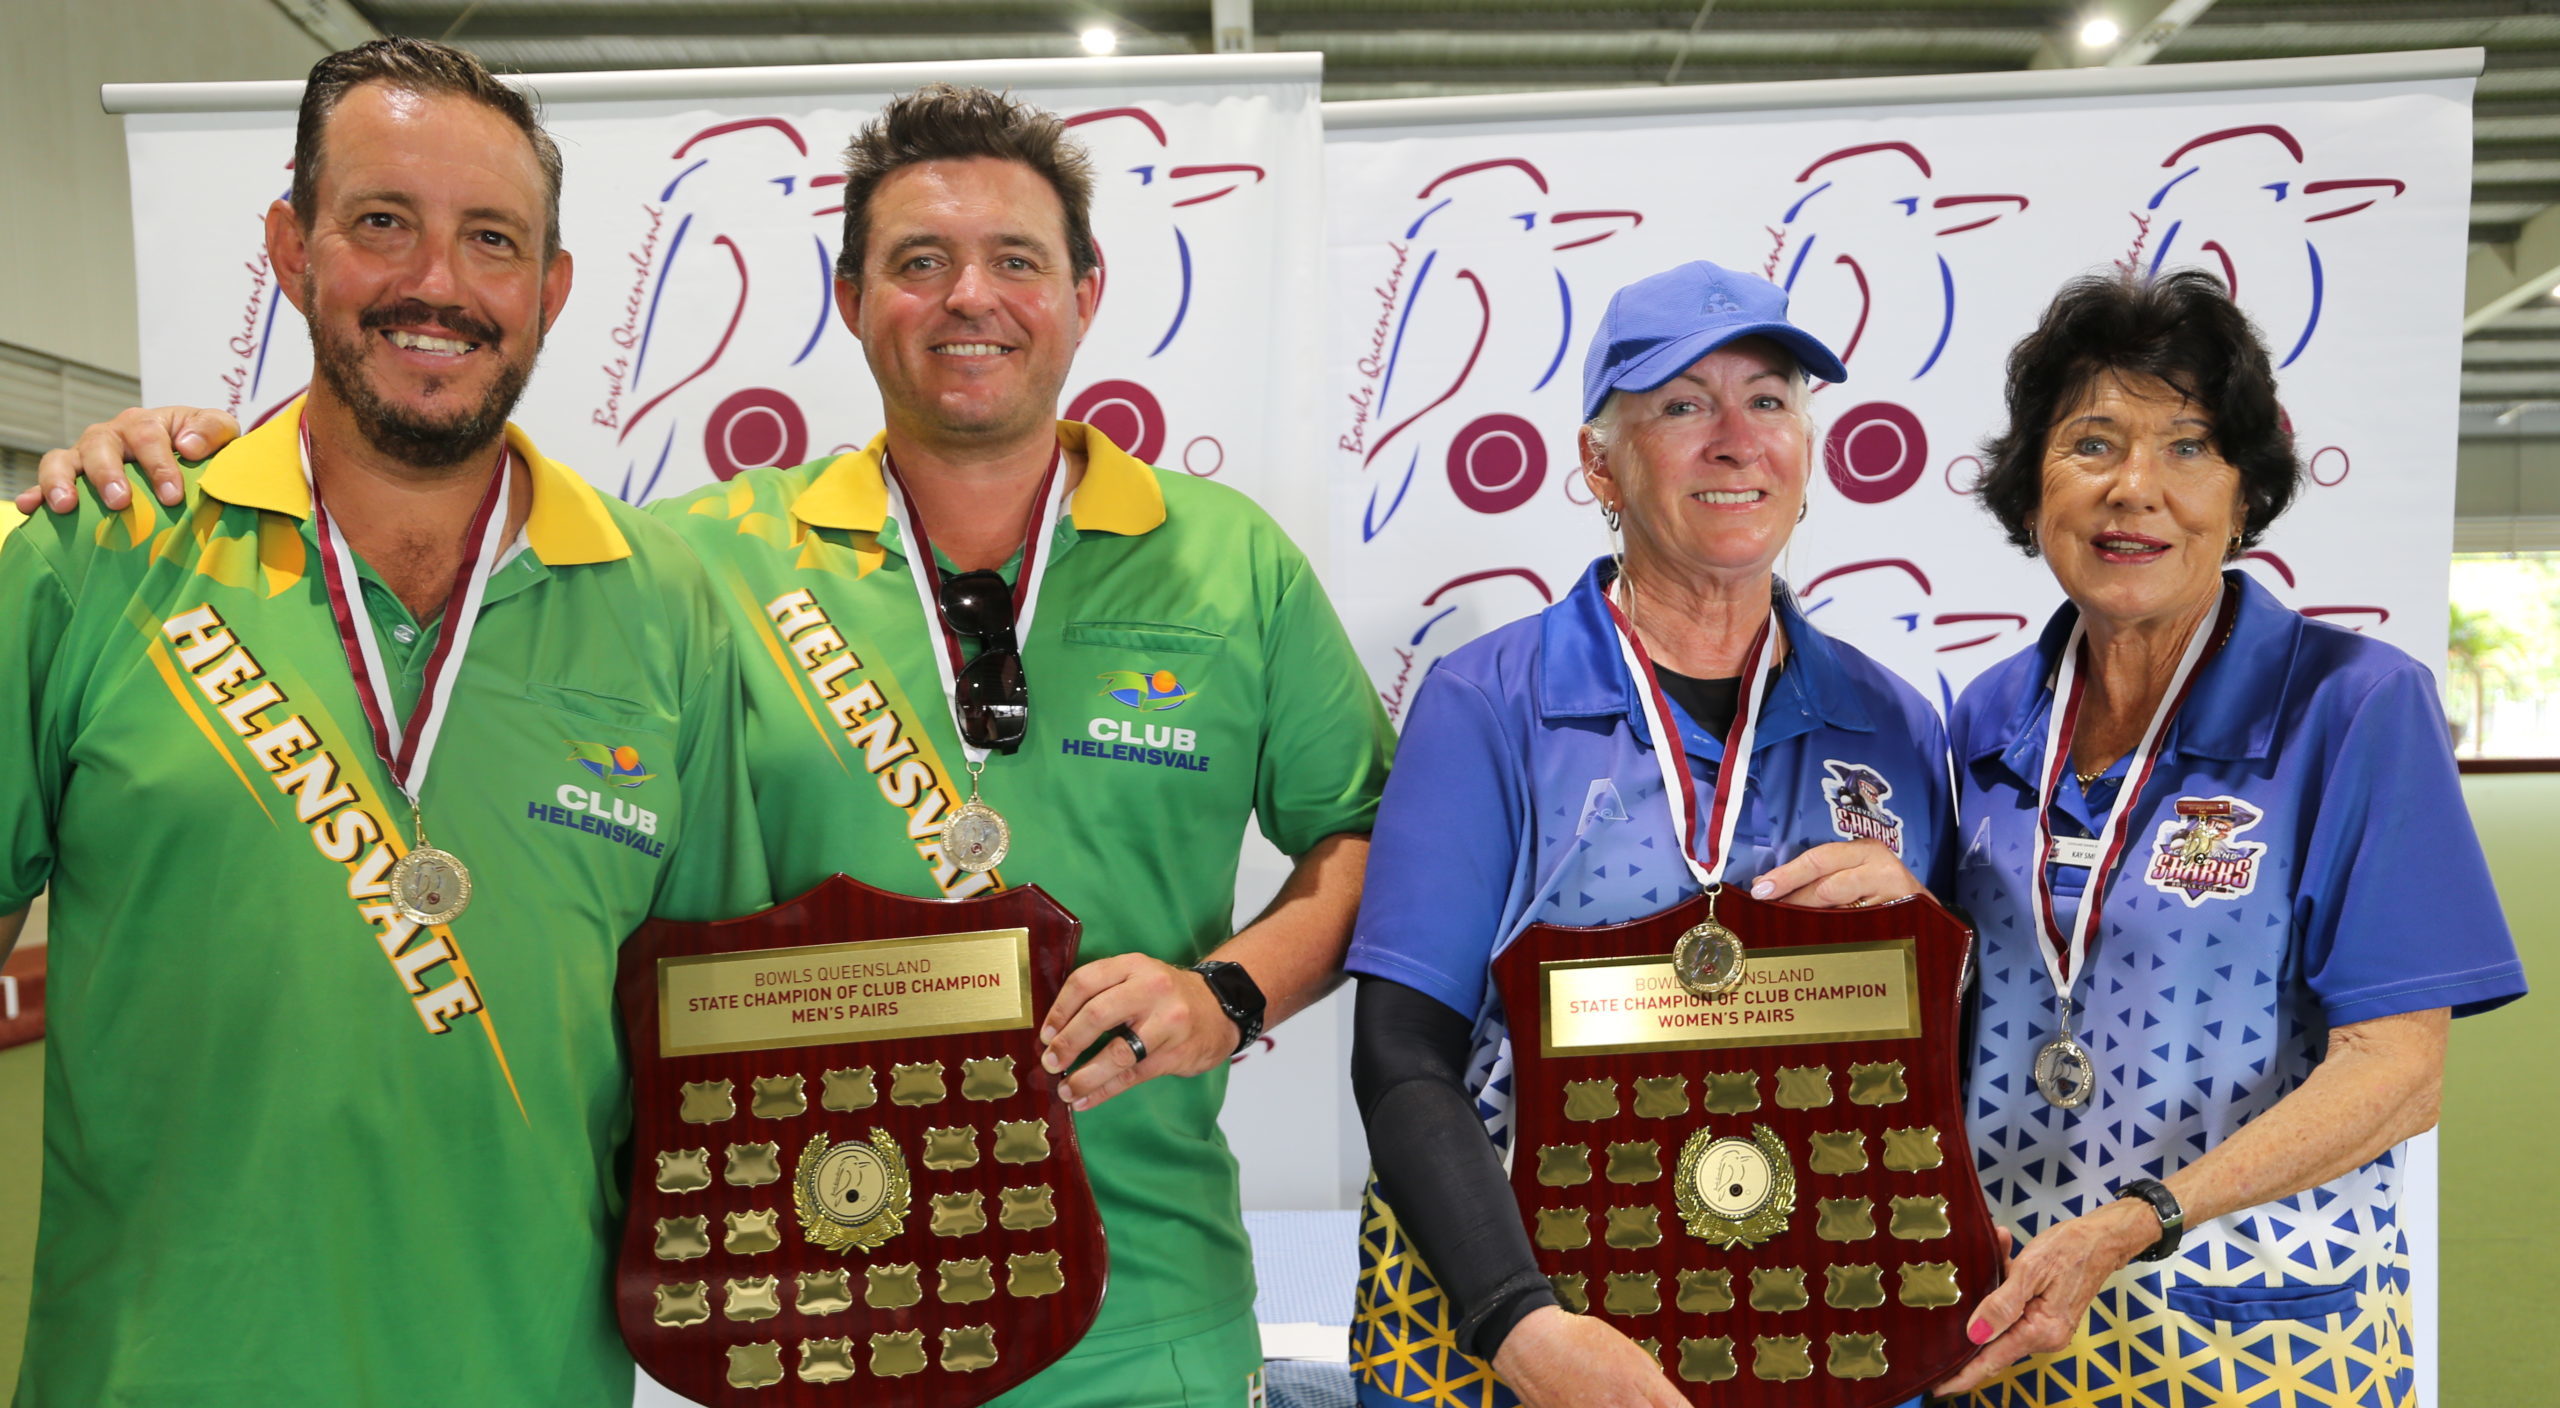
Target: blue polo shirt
(2301, 860)
(1525, 791)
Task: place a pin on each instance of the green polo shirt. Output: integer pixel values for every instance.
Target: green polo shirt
(296, 1149)
(1186, 673)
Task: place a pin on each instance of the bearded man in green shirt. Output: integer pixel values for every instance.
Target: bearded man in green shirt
(1165, 668)
(330, 1105)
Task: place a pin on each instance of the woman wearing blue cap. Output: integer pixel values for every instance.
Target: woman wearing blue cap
(1531, 787)
(2229, 900)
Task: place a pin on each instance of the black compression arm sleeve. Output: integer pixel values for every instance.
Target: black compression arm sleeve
(1439, 1171)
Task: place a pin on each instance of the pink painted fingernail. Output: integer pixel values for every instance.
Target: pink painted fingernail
(1762, 889)
(1979, 1332)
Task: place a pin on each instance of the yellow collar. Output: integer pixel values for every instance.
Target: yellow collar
(568, 525)
(1118, 494)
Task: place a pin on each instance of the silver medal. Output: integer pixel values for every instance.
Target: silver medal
(429, 886)
(2065, 1073)
(976, 838)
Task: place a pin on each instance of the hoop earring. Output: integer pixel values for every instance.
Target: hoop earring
(1609, 515)
(1801, 506)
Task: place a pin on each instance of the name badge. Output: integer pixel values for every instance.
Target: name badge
(2081, 851)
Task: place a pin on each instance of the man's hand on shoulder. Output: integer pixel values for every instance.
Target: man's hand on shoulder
(155, 439)
(1177, 1019)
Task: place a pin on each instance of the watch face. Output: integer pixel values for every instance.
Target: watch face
(1237, 996)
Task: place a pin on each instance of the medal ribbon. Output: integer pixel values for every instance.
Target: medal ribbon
(928, 579)
(1679, 788)
(407, 746)
(2064, 953)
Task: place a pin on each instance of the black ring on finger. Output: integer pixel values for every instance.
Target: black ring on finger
(1137, 1048)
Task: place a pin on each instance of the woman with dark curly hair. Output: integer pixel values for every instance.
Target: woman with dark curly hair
(2189, 1112)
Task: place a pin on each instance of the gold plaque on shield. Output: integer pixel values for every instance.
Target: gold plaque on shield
(851, 1196)
(1735, 1192)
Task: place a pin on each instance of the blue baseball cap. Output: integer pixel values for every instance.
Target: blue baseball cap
(1656, 327)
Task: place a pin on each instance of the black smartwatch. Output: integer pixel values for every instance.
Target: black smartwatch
(1238, 996)
(2173, 1218)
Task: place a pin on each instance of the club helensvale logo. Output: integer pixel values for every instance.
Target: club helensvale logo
(618, 764)
(1146, 690)
(1123, 739)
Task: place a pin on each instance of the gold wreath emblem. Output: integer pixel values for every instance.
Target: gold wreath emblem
(851, 1196)
(1735, 1192)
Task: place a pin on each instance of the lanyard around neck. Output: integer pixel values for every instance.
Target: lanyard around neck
(407, 746)
(1679, 786)
(2065, 951)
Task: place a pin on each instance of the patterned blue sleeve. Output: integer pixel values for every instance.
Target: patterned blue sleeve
(1444, 858)
(2395, 911)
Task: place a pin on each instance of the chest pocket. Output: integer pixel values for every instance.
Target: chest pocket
(1145, 637)
(609, 711)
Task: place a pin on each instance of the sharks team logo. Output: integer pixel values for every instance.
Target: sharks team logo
(1857, 794)
(2198, 855)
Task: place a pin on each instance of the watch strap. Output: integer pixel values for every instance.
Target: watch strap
(2164, 1204)
(1238, 995)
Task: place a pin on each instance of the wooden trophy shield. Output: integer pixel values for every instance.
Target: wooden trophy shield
(849, 1174)
(1771, 1188)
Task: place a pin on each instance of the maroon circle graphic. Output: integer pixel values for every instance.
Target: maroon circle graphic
(1874, 452)
(1204, 447)
(1971, 484)
(2344, 465)
(1497, 463)
(752, 429)
(1126, 412)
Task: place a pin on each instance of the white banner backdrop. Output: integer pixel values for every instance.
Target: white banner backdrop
(1920, 227)
(1470, 261)
(702, 338)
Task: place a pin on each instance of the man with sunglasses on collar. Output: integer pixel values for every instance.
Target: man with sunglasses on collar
(1000, 650)
(992, 648)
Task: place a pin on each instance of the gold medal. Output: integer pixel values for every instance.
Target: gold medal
(976, 838)
(429, 886)
(1708, 959)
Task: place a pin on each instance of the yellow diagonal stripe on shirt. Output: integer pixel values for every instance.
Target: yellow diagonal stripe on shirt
(178, 685)
(790, 672)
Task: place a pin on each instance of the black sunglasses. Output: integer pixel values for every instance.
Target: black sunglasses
(993, 695)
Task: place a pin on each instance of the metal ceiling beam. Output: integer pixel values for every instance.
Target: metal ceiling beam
(2150, 38)
(727, 51)
(2534, 318)
(2501, 279)
(2063, 49)
(1712, 47)
(2505, 212)
(2495, 353)
(2513, 35)
(2510, 386)
(1231, 26)
(335, 23)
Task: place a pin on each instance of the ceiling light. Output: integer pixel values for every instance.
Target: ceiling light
(2099, 33)
(1098, 40)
